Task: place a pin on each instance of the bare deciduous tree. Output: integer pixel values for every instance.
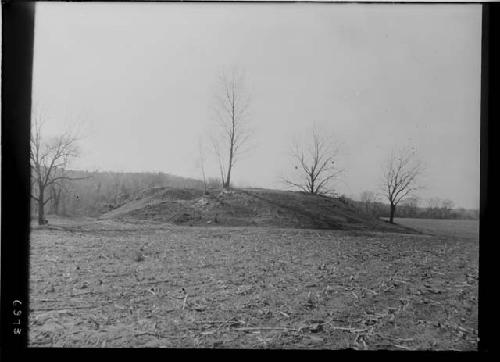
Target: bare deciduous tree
(48, 160)
(315, 164)
(368, 198)
(433, 203)
(401, 172)
(448, 205)
(410, 205)
(439, 208)
(232, 104)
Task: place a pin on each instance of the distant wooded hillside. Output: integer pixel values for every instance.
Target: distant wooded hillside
(95, 193)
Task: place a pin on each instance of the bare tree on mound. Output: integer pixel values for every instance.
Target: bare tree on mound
(315, 164)
(401, 172)
(48, 160)
(232, 104)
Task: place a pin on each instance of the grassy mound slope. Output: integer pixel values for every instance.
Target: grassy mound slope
(247, 207)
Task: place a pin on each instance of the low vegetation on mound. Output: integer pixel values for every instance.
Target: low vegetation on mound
(248, 207)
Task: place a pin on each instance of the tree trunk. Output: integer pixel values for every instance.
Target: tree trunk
(393, 211)
(231, 152)
(41, 211)
(228, 179)
(227, 185)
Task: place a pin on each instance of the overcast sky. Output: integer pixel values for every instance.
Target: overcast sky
(140, 79)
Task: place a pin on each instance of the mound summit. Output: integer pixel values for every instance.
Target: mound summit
(247, 207)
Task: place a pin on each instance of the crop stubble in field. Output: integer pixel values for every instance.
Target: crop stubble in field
(111, 284)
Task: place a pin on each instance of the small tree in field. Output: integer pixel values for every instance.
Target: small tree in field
(401, 173)
(48, 160)
(315, 164)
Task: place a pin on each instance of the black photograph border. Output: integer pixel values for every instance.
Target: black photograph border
(17, 61)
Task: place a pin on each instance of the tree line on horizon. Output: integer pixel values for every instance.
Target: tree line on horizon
(414, 207)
